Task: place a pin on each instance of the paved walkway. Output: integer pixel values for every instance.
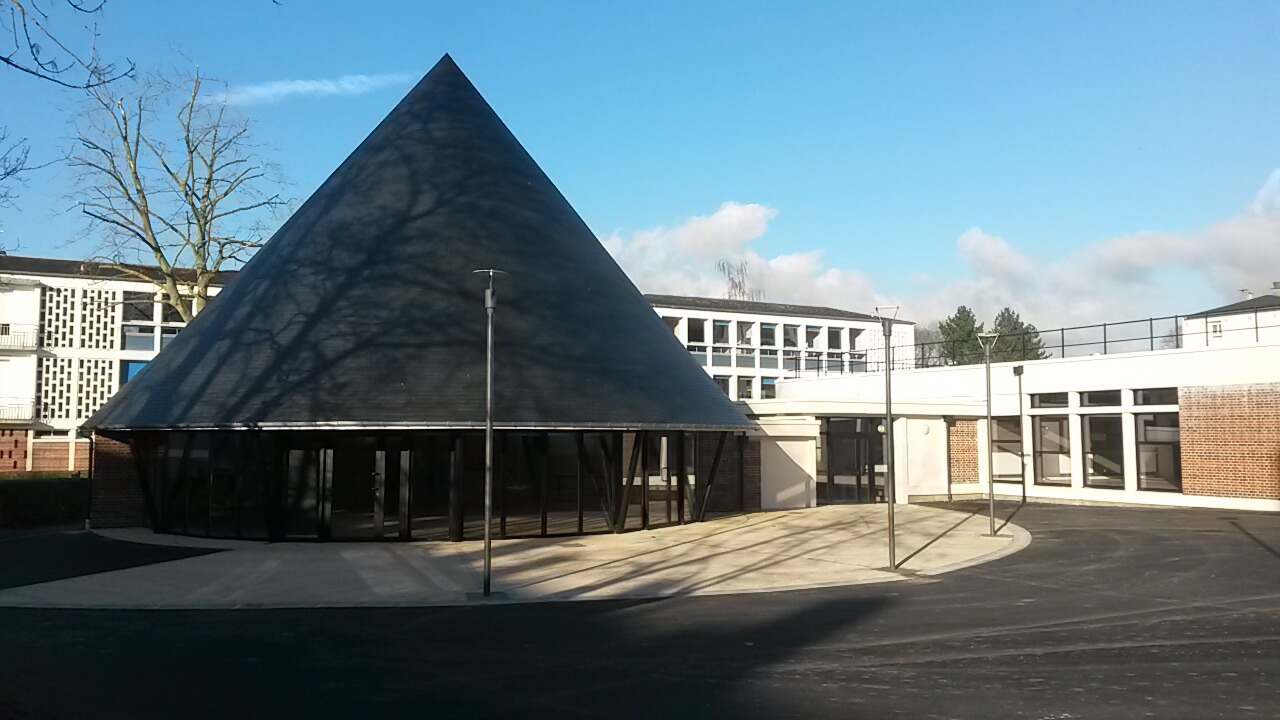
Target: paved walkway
(760, 552)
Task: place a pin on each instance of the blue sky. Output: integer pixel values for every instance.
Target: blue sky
(1080, 161)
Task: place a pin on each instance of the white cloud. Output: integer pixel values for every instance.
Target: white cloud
(277, 90)
(682, 259)
(1139, 275)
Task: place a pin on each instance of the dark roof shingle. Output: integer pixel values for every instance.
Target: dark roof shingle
(363, 309)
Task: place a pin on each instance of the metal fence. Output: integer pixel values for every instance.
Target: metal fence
(1146, 335)
(19, 337)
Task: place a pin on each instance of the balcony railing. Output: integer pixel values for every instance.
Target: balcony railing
(19, 337)
(17, 410)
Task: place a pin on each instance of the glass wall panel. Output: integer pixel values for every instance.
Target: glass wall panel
(768, 358)
(1159, 452)
(744, 388)
(1052, 450)
(1103, 451)
(1049, 400)
(790, 336)
(1156, 396)
(768, 387)
(720, 332)
(697, 329)
(768, 334)
(139, 307)
(139, 337)
(1100, 398)
(1006, 449)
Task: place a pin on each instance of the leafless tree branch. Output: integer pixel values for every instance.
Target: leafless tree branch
(170, 178)
(29, 28)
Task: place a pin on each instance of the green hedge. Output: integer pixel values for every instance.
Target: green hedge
(31, 503)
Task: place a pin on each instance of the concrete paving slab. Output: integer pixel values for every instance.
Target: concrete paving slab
(758, 552)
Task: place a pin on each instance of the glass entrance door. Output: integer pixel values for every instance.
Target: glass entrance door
(853, 455)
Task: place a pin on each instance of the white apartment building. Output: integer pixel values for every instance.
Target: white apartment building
(71, 333)
(748, 346)
(1249, 321)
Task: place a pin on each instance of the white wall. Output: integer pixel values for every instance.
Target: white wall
(788, 462)
(922, 398)
(1232, 330)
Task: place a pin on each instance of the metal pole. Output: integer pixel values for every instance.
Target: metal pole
(887, 327)
(490, 303)
(988, 340)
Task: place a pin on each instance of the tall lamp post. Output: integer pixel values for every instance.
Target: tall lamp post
(988, 340)
(490, 304)
(886, 325)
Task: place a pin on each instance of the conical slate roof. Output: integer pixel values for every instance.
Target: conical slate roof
(362, 311)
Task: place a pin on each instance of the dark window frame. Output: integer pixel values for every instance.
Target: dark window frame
(1049, 400)
(1100, 398)
(1037, 451)
(1140, 398)
(1093, 479)
(1176, 455)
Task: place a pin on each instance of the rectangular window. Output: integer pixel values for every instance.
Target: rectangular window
(170, 314)
(697, 331)
(167, 334)
(1006, 446)
(790, 336)
(744, 388)
(1100, 398)
(1215, 329)
(1103, 452)
(835, 362)
(790, 359)
(1052, 450)
(139, 337)
(768, 387)
(720, 357)
(722, 382)
(811, 335)
(768, 335)
(1159, 452)
(768, 358)
(834, 339)
(699, 353)
(1156, 396)
(812, 361)
(4, 328)
(745, 332)
(139, 307)
(720, 332)
(130, 368)
(746, 357)
(1049, 400)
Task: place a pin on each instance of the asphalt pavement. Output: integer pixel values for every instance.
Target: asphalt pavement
(1110, 613)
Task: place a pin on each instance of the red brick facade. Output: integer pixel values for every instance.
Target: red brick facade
(1231, 440)
(962, 450)
(49, 456)
(13, 451)
(116, 499)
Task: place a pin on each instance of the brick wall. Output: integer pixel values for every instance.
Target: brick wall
(962, 450)
(116, 499)
(737, 485)
(50, 456)
(1231, 440)
(13, 451)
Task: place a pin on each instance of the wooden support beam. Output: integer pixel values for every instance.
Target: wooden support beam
(711, 477)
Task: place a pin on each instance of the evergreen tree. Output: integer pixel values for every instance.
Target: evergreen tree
(1018, 340)
(960, 344)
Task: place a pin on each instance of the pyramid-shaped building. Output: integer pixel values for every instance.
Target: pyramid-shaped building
(354, 343)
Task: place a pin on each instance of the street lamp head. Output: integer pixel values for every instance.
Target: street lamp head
(987, 339)
(886, 314)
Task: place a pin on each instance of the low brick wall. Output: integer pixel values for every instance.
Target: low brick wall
(962, 450)
(1231, 440)
(116, 498)
(13, 451)
(50, 456)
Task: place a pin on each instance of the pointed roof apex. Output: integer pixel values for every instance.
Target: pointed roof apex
(363, 310)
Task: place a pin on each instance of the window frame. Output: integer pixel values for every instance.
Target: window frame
(1038, 451)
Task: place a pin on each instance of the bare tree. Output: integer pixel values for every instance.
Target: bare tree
(32, 45)
(735, 275)
(192, 197)
(14, 155)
